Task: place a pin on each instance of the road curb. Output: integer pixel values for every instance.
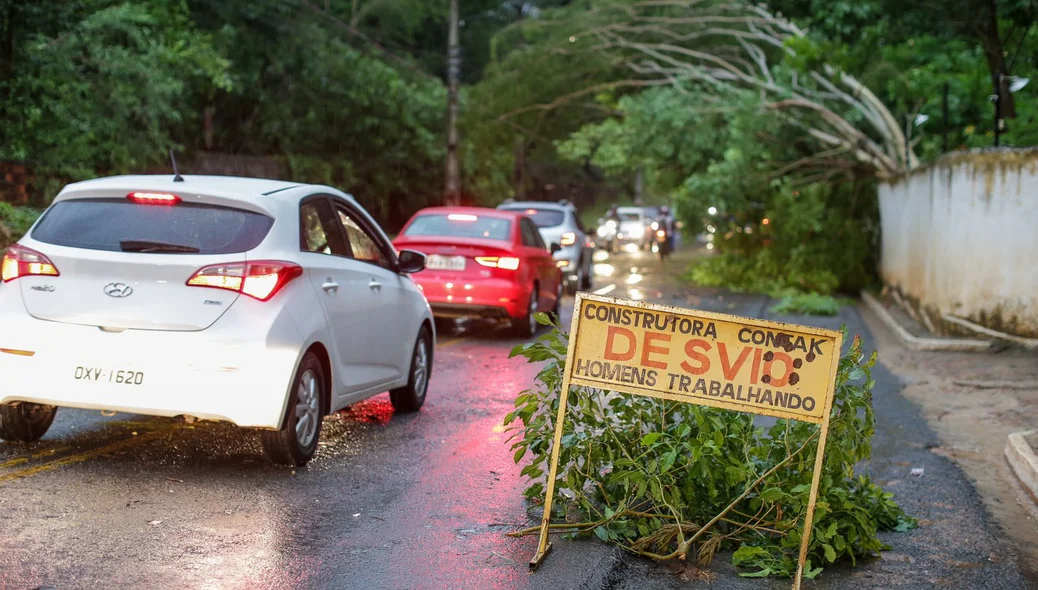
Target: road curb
(1023, 460)
(912, 342)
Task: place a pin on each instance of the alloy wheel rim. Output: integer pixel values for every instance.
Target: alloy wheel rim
(307, 408)
(420, 372)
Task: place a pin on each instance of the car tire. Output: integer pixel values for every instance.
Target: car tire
(573, 285)
(296, 442)
(588, 278)
(557, 308)
(24, 421)
(525, 326)
(411, 397)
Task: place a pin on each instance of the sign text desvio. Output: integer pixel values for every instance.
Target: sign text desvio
(704, 358)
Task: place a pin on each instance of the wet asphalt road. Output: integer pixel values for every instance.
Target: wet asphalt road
(411, 501)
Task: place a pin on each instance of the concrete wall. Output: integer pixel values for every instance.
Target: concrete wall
(961, 237)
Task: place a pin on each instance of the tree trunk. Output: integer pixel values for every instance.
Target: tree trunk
(639, 185)
(995, 54)
(453, 182)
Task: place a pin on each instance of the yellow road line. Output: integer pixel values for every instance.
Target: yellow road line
(450, 342)
(48, 452)
(80, 457)
(14, 462)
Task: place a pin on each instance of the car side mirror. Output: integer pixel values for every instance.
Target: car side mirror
(555, 247)
(411, 261)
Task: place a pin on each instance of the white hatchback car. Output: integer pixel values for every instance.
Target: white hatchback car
(263, 303)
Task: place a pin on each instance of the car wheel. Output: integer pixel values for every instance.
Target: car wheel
(526, 326)
(296, 443)
(24, 421)
(411, 397)
(588, 278)
(556, 309)
(572, 286)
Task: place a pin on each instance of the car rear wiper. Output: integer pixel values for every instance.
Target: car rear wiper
(159, 247)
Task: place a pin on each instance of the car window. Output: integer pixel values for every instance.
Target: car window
(577, 222)
(318, 232)
(363, 245)
(630, 217)
(542, 217)
(109, 224)
(531, 237)
(461, 225)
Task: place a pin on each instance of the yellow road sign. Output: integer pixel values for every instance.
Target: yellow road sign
(718, 360)
(704, 358)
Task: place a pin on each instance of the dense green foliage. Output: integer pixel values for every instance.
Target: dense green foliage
(345, 92)
(807, 304)
(703, 143)
(650, 474)
(14, 222)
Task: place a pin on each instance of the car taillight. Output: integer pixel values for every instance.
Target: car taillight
(20, 261)
(505, 262)
(260, 280)
(145, 198)
(569, 238)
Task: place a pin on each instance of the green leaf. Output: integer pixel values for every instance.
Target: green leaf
(602, 533)
(542, 318)
(758, 574)
(830, 553)
(650, 438)
(668, 461)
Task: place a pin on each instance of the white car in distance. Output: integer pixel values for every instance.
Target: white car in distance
(263, 303)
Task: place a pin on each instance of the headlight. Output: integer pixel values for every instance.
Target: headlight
(602, 231)
(610, 225)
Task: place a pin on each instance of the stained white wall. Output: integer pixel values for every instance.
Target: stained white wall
(961, 236)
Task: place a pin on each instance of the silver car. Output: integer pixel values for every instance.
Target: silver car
(559, 223)
(262, 303)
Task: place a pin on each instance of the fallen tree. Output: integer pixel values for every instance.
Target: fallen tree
(669, 480)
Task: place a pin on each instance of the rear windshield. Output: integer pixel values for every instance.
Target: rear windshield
(543, 217)
(112, 224)
(461, 226)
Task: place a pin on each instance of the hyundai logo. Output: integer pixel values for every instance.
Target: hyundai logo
(118, 290)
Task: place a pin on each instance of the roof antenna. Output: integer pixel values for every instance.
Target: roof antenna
(176, 174)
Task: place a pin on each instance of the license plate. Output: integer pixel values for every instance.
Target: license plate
(113, 376)
(437, 262)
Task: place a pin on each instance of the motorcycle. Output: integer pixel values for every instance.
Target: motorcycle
(662, 243)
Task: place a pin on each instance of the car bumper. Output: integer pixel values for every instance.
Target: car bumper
(491, 299)
(210, 375)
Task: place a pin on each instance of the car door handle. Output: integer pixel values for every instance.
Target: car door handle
(375, 285)
(330, 286)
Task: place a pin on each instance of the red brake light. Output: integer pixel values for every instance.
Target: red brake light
(505, 262)
(260, 279)
(20, 261)
(145, 198)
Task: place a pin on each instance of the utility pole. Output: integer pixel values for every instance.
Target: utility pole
(452, 194)
(998, 106)
(639, 185)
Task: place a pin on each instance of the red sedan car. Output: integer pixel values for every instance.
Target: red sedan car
(484, 263)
